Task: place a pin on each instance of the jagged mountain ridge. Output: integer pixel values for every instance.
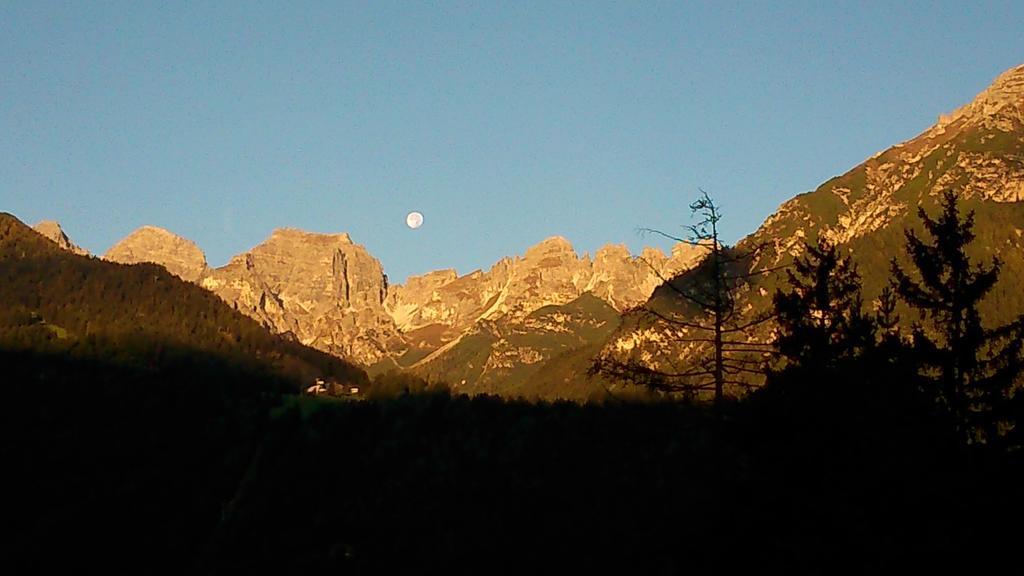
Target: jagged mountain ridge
(330, 293)
(977, 151)
(443, 306)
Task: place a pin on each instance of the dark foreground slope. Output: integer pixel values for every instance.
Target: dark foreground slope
(132, 403)
(135, 473)
(119, 467)
(838, 482)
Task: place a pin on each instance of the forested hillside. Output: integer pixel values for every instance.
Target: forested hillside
(138, 315)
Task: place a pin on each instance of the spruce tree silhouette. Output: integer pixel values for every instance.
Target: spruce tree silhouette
(971, 368)
(887, 321)
(821, 323)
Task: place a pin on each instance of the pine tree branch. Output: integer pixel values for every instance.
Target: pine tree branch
(674, 321)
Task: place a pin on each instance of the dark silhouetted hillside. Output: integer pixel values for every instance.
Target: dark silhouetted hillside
(132, 405)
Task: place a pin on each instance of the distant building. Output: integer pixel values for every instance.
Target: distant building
(319, 387)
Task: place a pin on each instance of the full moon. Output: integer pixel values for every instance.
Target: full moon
(414, 220)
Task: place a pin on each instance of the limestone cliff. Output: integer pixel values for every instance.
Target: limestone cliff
(625, 282)
(522, 327)
(181, 257)
(330, 293)
(322, 288)
(52, 230)
(549, 273)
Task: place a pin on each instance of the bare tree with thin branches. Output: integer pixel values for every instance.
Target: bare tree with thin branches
(704, 312)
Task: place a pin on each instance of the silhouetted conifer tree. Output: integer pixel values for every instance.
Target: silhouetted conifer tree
(891, 354)
(972, 367)
(887, 321)
(821, 323)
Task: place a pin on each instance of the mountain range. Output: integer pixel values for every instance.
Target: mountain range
(330, 293)
(531, 324)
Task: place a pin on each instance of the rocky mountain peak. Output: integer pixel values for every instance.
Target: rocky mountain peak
(326, 290)
(297, 234)
(553, 246)
(52, 230)
(330, 293)
(612, 252)
(180, 256)
(977, 151)
(652, 255)
(1004, 97)
(442, 305)
(432, 280)
(686, 256)
(1010, 84)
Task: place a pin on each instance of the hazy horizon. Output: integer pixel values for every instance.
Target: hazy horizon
(502, 125)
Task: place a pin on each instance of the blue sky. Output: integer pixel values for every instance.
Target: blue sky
(504, 123)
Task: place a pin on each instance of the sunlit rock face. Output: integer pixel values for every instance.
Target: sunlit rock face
(52, 230)
(999, 107)
(439, 297)
(977, 151)
(181, 257)
(323, 289)
(330, 293)
(625, 282)
(549, 273)
(530, 325)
